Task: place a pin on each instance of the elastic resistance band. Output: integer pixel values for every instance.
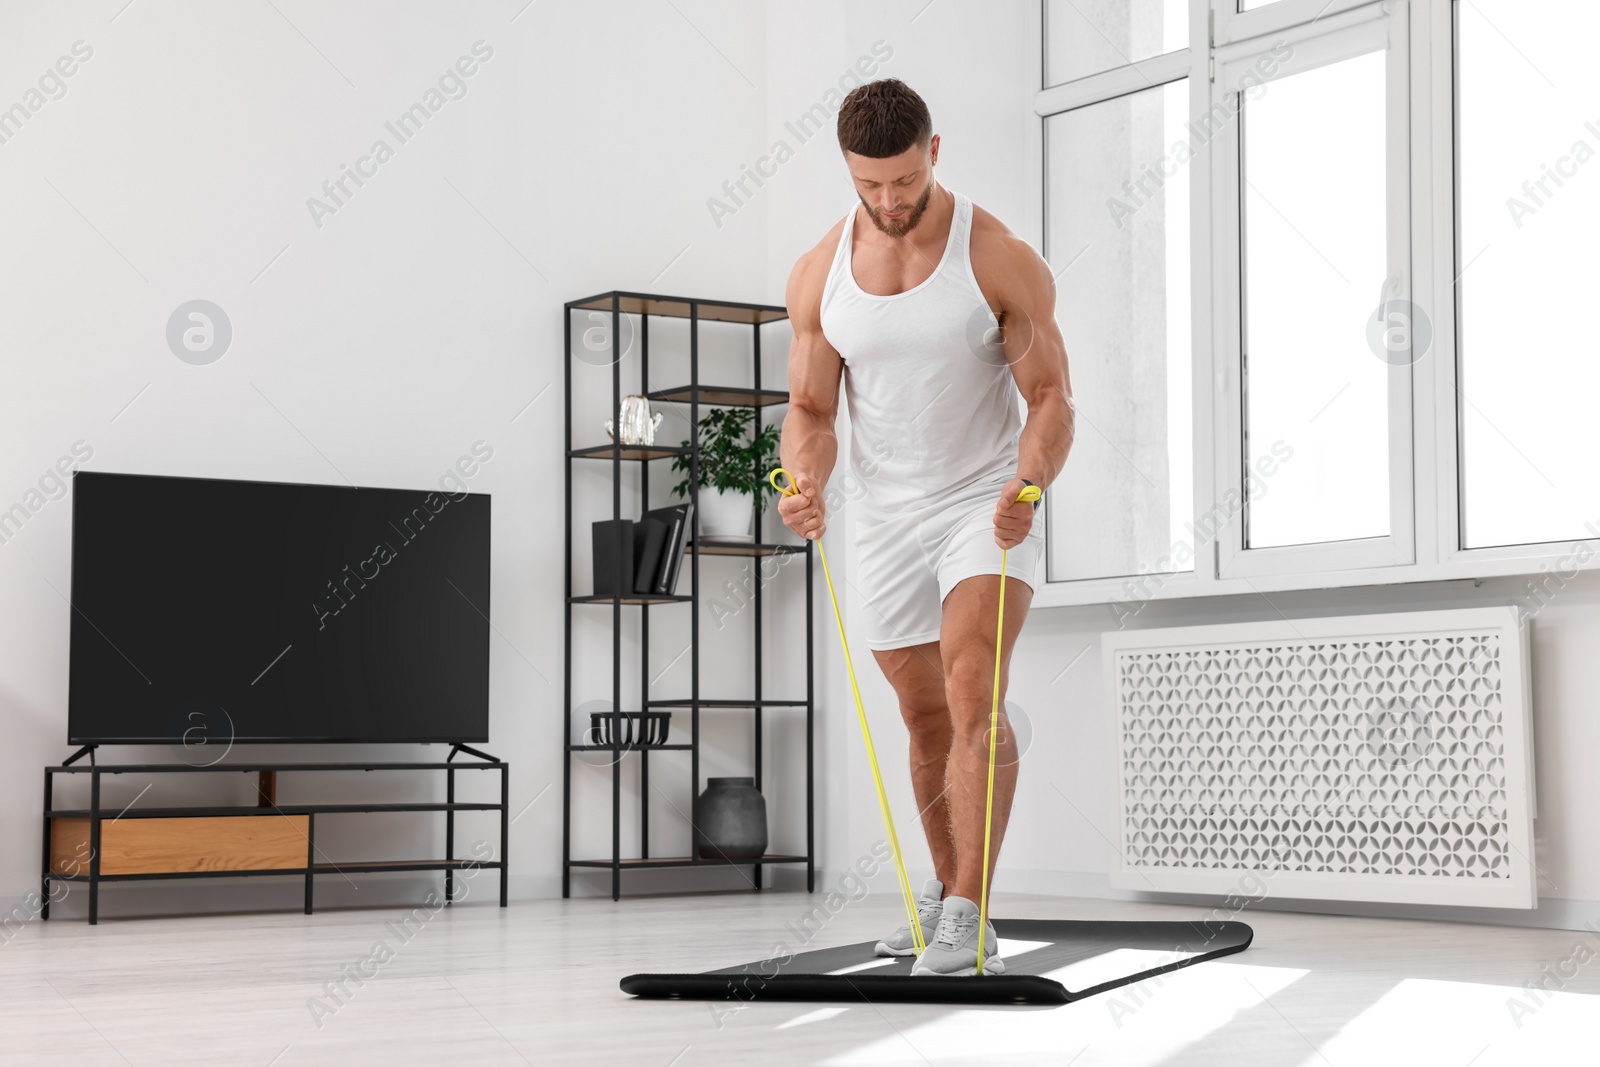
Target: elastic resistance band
(790, 489)
(1029, 493)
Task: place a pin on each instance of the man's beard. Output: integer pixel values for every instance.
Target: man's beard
(901, 226)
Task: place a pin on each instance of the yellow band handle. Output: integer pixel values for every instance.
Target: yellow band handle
(789, 488)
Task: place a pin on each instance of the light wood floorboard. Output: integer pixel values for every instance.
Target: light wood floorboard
(537, 984)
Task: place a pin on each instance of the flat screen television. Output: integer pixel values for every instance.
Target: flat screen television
(212, 611)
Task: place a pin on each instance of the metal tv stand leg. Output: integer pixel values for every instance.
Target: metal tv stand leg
(86, 750)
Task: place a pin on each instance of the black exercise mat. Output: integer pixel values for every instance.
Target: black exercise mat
(1063, 942)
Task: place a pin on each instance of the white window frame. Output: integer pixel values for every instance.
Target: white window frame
(1233, 26)
(1354, 33)
(1425, 33)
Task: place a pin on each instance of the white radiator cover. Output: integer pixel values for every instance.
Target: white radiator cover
(1367, 757)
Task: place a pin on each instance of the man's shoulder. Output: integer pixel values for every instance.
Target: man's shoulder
(810, 273)
(992, 238)
(1000, 256)
(821, 253)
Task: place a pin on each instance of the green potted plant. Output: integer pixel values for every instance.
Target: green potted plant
(733, 467)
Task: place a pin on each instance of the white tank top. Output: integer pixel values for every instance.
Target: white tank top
(933, 406)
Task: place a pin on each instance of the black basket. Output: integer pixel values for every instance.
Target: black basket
(638, 728)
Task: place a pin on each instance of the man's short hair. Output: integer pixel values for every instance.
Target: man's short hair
(882, 119)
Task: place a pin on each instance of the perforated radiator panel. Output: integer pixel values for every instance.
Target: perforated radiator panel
(1375, 757)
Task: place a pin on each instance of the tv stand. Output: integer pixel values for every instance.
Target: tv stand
(86, 750)
(469, 750)
(93, 845)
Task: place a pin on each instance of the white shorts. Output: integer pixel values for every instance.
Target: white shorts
(909, 562)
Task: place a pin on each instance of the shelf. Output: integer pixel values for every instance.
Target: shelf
(369, 866)
(636, 747)
(725, 703)
(252, 768)
(229, 810)
(677, 307)
(300, 871)
(365, 867)
(682, 861)
(637, 598)
(723, 395)
(737, 548)
(607, 452)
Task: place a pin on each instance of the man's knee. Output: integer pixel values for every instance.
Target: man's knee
(917, 677)
(927, 719)
(969, 683)
(922, 703)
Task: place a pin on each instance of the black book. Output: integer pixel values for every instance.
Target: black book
(677, 520)
(613, 569)
(648, 536)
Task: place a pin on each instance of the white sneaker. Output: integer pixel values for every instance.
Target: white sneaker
(954, 947)
(929, 909)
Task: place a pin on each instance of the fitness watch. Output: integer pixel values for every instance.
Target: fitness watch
(1041, 494)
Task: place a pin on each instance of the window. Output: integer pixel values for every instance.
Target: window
(1118, 241)
(1312, 243)
(1529, 195)
(1379, 371)
(1315, 253)
(1086, 37)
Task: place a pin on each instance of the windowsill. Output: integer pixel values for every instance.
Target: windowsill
(1125, 595)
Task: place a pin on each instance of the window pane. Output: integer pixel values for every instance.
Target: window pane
(1117, 234)
(1315, 265)
(1085, 37)
(1529, 210)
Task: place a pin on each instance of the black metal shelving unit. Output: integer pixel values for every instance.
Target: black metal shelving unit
(694, 394)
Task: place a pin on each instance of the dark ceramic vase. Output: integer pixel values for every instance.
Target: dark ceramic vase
(730, 820)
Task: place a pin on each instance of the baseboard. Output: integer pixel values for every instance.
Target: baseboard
(1552, 913)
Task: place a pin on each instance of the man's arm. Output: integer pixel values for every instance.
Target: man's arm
(1017, 278)
(809, 447)
(1038, 358)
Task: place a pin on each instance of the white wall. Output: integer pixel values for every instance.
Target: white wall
(422, 317)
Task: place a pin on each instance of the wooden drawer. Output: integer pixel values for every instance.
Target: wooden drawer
(180, 845)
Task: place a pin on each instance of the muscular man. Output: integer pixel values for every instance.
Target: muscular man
(935, 316)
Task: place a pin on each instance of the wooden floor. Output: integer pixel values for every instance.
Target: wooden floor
(537, 984)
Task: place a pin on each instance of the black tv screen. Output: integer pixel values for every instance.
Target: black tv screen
(211, 611)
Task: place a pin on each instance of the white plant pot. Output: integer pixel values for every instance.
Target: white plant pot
(724, 516)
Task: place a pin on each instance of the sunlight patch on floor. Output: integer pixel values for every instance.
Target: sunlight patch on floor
(1143, 1024)
(1015, 946)
(1119, 962)
(868, 966)
(818, 1016)
(1430, 1021)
